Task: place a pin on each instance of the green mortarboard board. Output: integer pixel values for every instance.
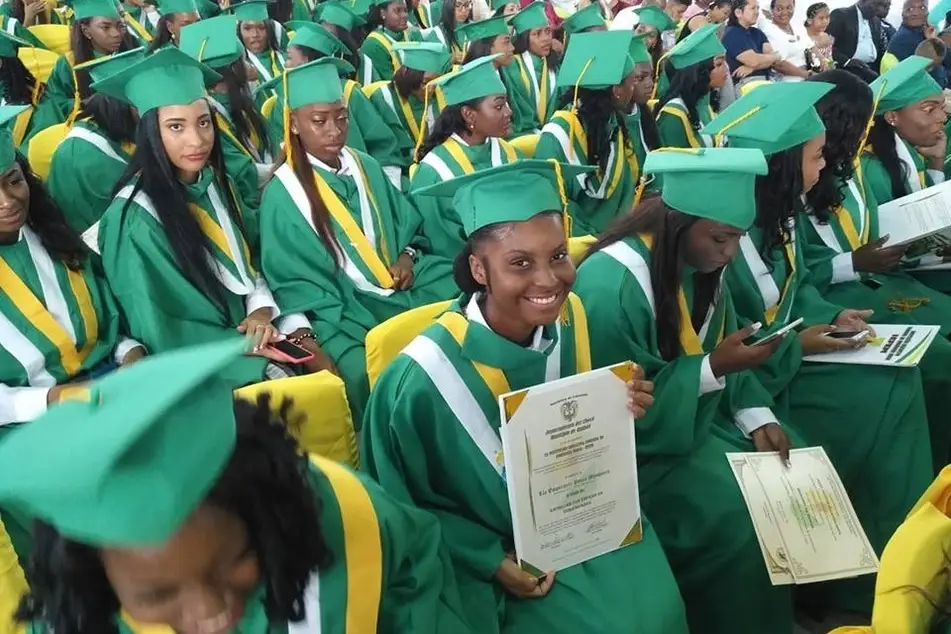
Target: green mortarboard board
(596, 60)
(338, 14)
(531, 17)
(905, 84)
(476, 79)
(483, 29)
(10, 43)
(495, 5)
(316, 82)
(713, 183)
(514, 192)
(655, 17)
(128, 467)
(383, 3)
(96, 9)
(773, 117)
(584, 19)
(251, 10)
(167, 77)
(315, 37)
(8, 151)
(638, 50)
(167, 7)
(102, 67)
(213, 42)
(938, 12)
(699, 46)
(424, 56)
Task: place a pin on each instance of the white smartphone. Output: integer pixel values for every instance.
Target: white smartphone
(779, 333)
(853, 336)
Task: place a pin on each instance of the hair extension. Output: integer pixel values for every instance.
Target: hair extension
(521, 41)
(448, 122)
(776, 196)
(47, 221)
(246, 118)
(595, 109)
(116, 118)
(318, 209)
(17, 81)
(407, 80)
(689, 84)
(881, 139)
(265, 485)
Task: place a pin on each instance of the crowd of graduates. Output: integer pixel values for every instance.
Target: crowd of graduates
(516, 203)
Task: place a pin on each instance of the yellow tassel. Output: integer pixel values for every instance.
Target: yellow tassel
(908, 304)
(76, 100)
(286, 117)
(639, 192)
(657, 71)
(871, 121)
(735, 123)
(201, 50)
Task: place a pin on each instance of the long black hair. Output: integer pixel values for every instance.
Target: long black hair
(479, 48)
(319, 213)
(154, 175)
(448, 122)
(882, 140)
(47, 222)
(845, 111)
(244, 115)
(265, 483)
(17, 80)
(689, 84)
(776, 196)
(407, 80)
(668, 228)
(163, 35)
(280, 10)
(83, 51)
(349, 38)
(116, 118)
(447, 20)
(596, 110)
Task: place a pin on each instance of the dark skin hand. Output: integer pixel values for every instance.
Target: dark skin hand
(733, 355)
(875, 257)
(402, 272)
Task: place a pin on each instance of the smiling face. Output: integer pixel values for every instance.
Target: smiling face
(322, 129)
(709, 246)
(782, 12)
(188, 135)
(819, 22)
(914, 13)
(14, 202)
(527, 272)
(196, 583)
(105, 34)
(254, 35)
(922, 123)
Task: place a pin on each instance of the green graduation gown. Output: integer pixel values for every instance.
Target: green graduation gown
(60, 90)
(432, 437)
(387, 572)
(85, 169)
(344, 297)
(675, 128)
(408, 118)
(426, 14)
(14, 27)
(531, 85)
(268, 64)
(599, 197)
(163, 309)
(870, 419)
(446, 161)
(687, 487)
(378, 59)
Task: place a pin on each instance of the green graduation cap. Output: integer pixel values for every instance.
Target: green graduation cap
(428, 57)
(638, 50)
(8, 150)
(167, 7)
(483, 29)
(514, 192)
(495, 5)
(338, 14)
(213, 42)
(167, 77)
(531, 17)
(251, 10)
(713, 183)
(106, 66)
(316, 82)
(10, 43)
(598, 59)
(655, 17)
(904, 84)
(584, 19)
(130, 465)
(699, 46)
(315, 37)
(773, 117)
(476, 79)
(85, 9)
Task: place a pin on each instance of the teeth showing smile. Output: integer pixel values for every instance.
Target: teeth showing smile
(543, 300)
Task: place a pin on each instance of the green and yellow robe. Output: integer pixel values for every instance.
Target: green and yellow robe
(457, 49)
(60, 90)
(686, 485)
(344, 295)
(140, 20)
(451, 159)
(378, 59)
(601, 196)
(387, 573)
(435, 411)
(426, 14)
(409, 118)
(83, 174)
(675, 128)
(162, 308)
(870, 419)
(14, 27)
(531, 85)
(36, 118)
(269, 64)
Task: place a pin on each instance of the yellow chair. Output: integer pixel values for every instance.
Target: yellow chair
(914, 567)
(54, 36)
(385, 341)
(325, 426)
(38, 61)
(12, 584)
(578, 247)
(526, 144)
(41, 147)
(268, 106)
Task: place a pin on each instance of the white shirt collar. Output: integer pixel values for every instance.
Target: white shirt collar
(346, 167)
(474, 314)
(458, 139)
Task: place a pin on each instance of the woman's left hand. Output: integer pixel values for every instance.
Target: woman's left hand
(135, 354)
(639, 393)
(260, 332)
(402, 272)
(851, 320)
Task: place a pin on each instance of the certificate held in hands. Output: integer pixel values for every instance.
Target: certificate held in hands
(571, 468)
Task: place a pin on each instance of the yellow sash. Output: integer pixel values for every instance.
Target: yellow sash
(348, 87)
(384, 41)
(217, 235)
(44, 322)
(771, 313)
(575, 131)
(543, 85)
(415, 128)
(845, 218)
(137, 27)
(685, 120)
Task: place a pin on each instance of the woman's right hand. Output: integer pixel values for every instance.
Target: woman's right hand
(816, 340)
(875, 257)
(732, 355)
(519, 583)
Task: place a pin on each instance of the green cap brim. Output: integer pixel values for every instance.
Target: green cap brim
(596, 60)
(108, 65)
(905, 84)
(315, 37)
(338, 14)
(168, 7)
(483, 29)
(85, 9)
(655, 17)
(213, 42)
(8, 150)
(586, 18)
(251, 10)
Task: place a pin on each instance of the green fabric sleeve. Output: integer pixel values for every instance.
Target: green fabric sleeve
(377, 129)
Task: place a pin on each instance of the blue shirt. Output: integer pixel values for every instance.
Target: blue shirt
(737, 40)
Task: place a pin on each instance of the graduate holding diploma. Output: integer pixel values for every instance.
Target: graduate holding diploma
(431, 434)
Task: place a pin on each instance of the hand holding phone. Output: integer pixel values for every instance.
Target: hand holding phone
(777, 334)
(734, 354)
(289, 353)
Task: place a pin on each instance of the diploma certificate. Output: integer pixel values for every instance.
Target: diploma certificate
(570, 468)
(807, 528)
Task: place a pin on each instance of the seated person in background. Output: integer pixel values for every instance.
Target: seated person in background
(916, 37)
(859, 37)
(748, 52)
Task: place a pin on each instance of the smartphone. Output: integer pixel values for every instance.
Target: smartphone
(290, 352)
(851, 335)
(779, 333)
